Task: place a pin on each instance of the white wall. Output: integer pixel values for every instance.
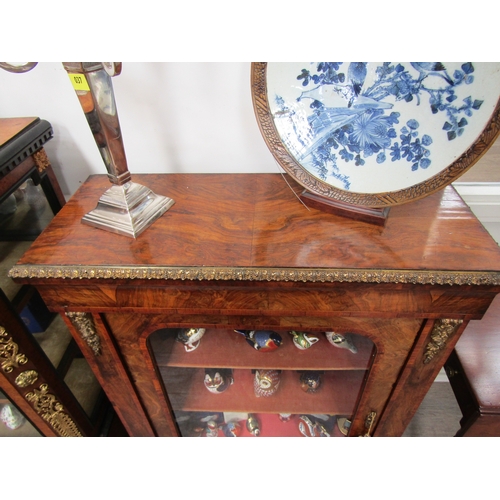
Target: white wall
(484, 200)
(175, 118)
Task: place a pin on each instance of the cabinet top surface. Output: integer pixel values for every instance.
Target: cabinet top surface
(10, 127)
(255, 221)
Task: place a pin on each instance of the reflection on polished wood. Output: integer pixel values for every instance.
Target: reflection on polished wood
(269, 228)
(241, 251)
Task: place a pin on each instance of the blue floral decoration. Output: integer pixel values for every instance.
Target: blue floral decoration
(367, 126)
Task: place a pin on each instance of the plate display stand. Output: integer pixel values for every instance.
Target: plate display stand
(377, 216)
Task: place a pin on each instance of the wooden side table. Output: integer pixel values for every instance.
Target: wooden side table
(22, 156)
(241, 252)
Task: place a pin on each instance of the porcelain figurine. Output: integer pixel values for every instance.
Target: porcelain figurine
(11, 417)
(310, 381)
(302, 340)
(310, 428)
(212, 429)
(190, 337)
(321, 431)
(341, 341)
(262, 340)
(231, 429)
(253, 426)
(266, 382)
(204, 417)
(306, 427)
(217, 380)
(202, 423)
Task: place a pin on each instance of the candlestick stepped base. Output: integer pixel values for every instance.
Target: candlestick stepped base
(128, 209)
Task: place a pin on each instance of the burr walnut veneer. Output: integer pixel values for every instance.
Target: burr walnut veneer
(241, 251)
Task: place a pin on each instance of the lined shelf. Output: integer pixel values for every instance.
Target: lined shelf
(228, 349)
(336, 396)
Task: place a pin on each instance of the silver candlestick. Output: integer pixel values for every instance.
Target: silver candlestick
(126, 207)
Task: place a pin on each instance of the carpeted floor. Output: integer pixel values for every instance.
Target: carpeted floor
(438, 415)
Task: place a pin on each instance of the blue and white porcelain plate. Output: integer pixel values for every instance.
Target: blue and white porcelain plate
(378, 133)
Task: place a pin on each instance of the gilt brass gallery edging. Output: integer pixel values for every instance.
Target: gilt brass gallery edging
(490, 278)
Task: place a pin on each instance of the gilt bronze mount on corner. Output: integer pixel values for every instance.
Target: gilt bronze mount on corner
(126, 207)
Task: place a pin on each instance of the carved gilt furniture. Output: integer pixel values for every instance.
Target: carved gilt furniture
(30, 381)
(241, 251)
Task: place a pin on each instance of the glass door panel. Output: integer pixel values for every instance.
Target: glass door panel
(247, 383)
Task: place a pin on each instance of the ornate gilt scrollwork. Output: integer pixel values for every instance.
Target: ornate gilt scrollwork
(44, 403)
(26, 378)
(84, 324)
(41, 160)
(442, 331)
(9, 352)
(52, 411)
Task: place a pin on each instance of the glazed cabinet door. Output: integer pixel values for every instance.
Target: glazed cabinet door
(220, 384)
(258, 382)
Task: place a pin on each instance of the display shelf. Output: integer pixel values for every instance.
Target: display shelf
(337, 395)
(270, 425)
(228, 349)
(183, 376)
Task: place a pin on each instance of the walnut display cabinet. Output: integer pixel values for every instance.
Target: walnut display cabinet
(242, 252)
